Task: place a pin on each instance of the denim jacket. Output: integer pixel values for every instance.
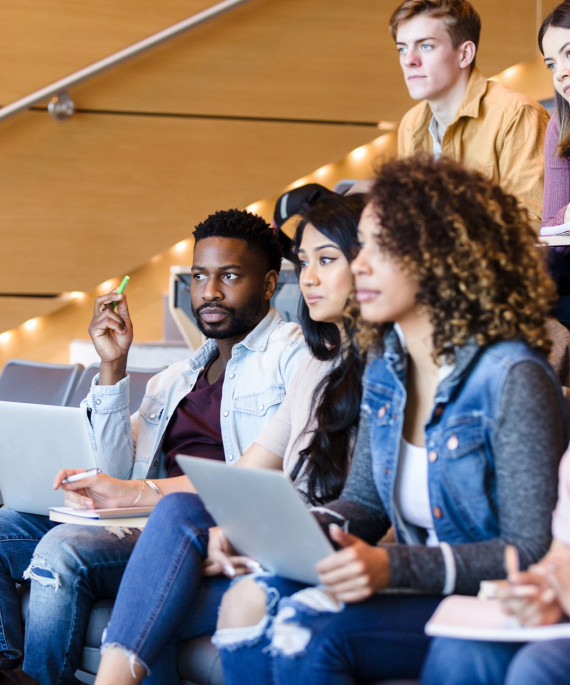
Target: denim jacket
(256, 378)
(459, 435)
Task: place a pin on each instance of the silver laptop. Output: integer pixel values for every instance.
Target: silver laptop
(262, 515)
(36, 441)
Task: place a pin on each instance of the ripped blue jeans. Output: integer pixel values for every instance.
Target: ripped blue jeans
(19, 535)
(163, 598)
(67, 567)
(307, 639)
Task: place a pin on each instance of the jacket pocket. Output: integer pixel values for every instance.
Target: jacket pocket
(467, 477)
(378, 403)
(259, 404)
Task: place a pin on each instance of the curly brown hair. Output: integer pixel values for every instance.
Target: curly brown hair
(472, 250)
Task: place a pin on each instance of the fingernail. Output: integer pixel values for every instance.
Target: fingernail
(229, 570)
(254, 566)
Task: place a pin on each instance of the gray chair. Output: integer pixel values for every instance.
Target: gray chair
(83, 385)
(38, 382)
(138, 380)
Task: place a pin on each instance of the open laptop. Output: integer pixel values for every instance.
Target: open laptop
(262, 515)
(36, 441)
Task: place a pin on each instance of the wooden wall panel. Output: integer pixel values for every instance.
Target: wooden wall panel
(15, 310)
(95, 195)
(50, 339)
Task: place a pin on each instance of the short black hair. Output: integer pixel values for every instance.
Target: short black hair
(241, 224)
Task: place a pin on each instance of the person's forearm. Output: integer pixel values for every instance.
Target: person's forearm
(111, 373)
(168, 485)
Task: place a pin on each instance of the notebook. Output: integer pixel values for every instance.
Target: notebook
(128, 517)
(472, 618)
(262, 515)
(37, 440)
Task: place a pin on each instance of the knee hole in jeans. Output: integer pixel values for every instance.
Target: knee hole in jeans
(242, 605)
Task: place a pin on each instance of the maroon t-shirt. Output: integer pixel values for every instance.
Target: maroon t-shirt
(195, 428)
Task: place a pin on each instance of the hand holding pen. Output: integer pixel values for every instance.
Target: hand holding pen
(112, 333)
(529, 596)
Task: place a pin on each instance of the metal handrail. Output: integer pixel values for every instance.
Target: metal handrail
(60, 87)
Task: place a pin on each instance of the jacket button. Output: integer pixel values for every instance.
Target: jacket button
(453, 442)
(230, 457)
(226, 413)
(232, 375)
(432, 456)
(437, 512)
(261, 407)
(153, 416)
(382, 411)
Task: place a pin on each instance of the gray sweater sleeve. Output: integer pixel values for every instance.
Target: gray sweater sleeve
(530, 438)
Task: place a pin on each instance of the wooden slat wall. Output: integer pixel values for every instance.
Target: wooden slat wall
(97, 194)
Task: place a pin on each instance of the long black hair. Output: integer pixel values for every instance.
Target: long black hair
(327, 457)
(559, 18)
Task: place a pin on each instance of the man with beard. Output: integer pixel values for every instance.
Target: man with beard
(212, 405)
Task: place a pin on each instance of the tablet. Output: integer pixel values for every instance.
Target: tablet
(262, 515)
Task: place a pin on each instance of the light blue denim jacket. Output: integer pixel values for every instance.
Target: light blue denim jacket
(256, 378)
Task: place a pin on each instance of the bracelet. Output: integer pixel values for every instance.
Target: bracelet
(137, 498)
(153, 486)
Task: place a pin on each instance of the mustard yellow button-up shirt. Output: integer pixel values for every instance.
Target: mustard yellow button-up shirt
(498, 131)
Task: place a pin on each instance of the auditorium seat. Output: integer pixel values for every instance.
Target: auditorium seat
(38, 382)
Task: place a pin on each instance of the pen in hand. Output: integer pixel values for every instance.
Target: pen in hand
(511, 561)
(512, 568)
(80, 476)
(121, 289)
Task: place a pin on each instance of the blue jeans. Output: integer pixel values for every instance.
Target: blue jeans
(19, 535)
(559, 269)
(470, 662)
(163, 598)
(382, 637)
(68, 567)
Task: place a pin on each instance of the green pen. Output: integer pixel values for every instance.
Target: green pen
(121, 289)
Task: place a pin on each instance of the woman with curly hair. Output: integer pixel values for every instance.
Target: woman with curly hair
(461, 431)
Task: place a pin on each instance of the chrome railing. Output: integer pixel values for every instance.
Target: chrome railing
(61, 106)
